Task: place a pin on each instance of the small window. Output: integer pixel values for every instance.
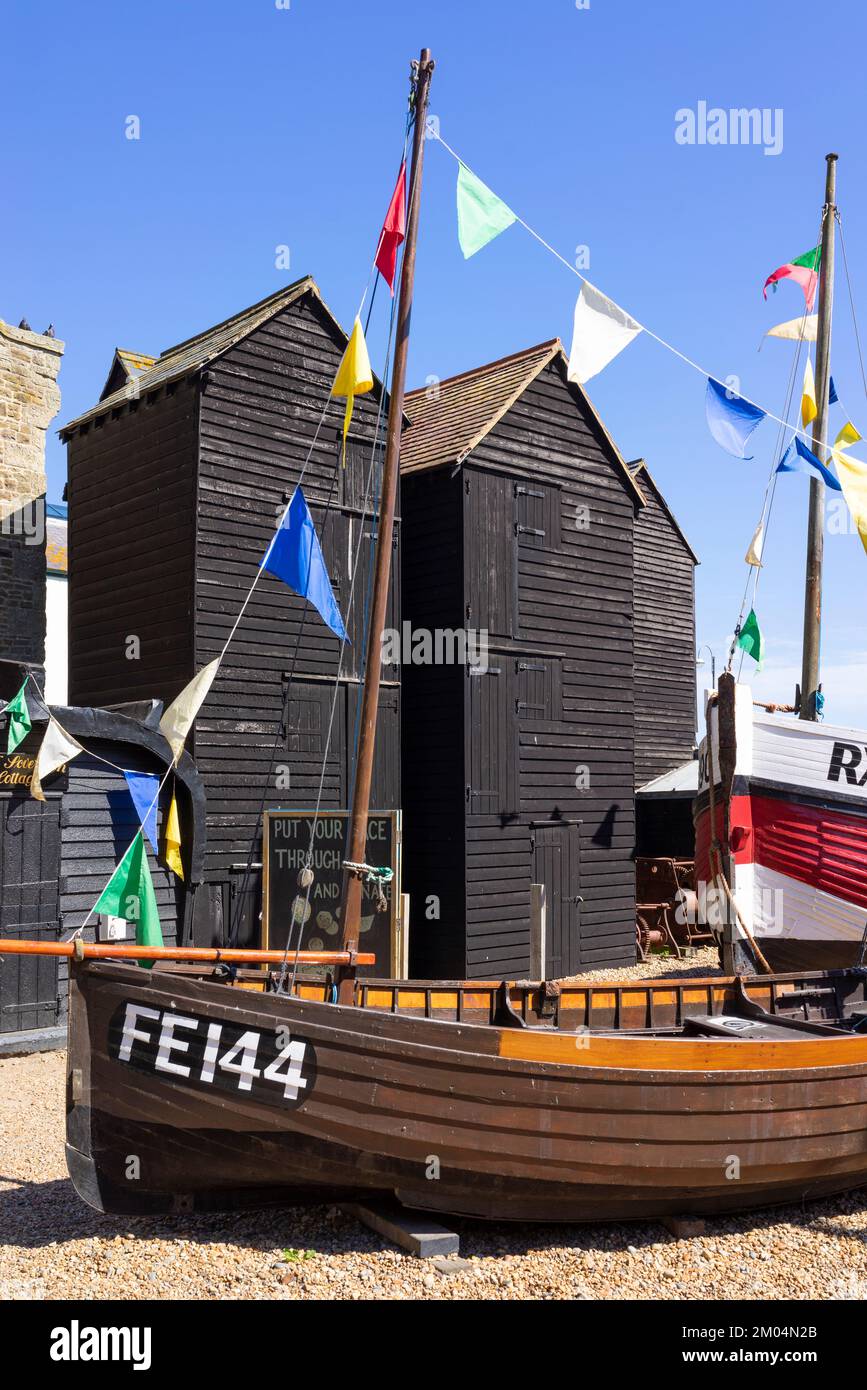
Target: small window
(537, 685)
(360, 481)
(537, 516)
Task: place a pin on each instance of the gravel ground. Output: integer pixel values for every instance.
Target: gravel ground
(698, 963)
(53, 1246)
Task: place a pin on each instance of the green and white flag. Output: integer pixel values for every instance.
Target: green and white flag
(751, 639)
(19, 720)
(130, 893)
(481, 214)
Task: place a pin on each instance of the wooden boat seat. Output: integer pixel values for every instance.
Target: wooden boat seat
(755, 1029)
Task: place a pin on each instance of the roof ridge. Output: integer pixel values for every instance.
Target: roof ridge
(130, 352)
(241, 314)
(550, 343)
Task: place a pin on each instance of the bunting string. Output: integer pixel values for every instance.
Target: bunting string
(663, 342)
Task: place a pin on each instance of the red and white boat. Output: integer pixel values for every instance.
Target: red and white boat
(788, 799)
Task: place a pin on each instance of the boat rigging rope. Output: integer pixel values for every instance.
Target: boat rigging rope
(753, 571)
(851, 301)
(300, 917)
(718, 877)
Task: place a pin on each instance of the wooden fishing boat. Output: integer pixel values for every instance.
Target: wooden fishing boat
(785, 801)
(203, 1083)
(505, 1101)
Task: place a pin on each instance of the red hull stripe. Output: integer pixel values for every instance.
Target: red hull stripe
(816, 846)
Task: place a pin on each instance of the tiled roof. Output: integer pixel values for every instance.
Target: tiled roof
(447, 421)
(196, 352)
(134, 362)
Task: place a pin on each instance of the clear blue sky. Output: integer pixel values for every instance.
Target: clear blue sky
(263, 126)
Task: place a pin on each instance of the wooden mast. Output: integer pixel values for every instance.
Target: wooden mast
(816, 523)
(357, 837)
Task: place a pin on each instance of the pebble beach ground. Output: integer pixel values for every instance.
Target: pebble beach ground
(52, 1246)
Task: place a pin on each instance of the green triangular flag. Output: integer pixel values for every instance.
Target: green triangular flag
(130, 893)
(751, 639)
(19, 720)
(811, 260)
(481, 214)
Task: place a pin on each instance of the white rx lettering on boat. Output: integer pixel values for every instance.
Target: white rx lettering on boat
(268, 1064)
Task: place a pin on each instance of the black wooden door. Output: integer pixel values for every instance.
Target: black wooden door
(491, 740)
(385, 783)
(555, 851)
(29, 909)
(490, 554)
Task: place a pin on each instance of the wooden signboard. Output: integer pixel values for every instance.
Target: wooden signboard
(16, 769)
(286, 840)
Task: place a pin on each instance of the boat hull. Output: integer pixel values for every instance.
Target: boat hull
(482, 1121)
(790, 817)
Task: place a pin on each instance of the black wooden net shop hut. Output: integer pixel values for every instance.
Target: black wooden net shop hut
(176, 480)
(521, 519)
(665, 687)
(57, 855)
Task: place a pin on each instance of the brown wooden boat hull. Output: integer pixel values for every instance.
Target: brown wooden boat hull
(461, 1118)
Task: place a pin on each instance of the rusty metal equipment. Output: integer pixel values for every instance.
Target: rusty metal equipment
(667, 907)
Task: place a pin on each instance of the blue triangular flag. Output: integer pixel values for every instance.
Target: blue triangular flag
(143, 788)
(799, 459)
(730, 419)
(833, 398)
(295, 556)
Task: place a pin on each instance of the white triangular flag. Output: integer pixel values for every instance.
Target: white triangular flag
(601, 330)
(803, 329)
(58, 748)
(754, 553)
(178, 718)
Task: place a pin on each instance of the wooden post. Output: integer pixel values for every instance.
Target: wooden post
(403, 958)
(538, 930)
(816, 522)
(357, 837)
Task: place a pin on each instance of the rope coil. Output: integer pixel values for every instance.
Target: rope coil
(375, 877)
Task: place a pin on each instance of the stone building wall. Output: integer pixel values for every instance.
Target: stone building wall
(29, 400)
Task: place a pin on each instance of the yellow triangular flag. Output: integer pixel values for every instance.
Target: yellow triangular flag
(847, 435)
(754, 553)
(354, 377)
(173, 839)
(58, 748)
(853, 480)
(809, 409)
(178, 718)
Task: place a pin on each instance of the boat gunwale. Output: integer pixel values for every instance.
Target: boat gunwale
(702, 1055)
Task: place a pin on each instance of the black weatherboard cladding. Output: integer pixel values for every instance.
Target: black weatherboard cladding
(173, 499)
(665, 689)
(554, 709)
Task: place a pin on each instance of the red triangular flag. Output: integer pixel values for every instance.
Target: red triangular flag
(393, 230)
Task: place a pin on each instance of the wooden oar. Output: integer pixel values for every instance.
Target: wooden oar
(86, 950)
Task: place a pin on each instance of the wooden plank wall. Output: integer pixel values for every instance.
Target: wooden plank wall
(132, 481)
(432, 736)
(665, 688)
(260, 409)
(571, 616)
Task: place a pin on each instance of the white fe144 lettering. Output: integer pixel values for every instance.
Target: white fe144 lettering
(239, 1059)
